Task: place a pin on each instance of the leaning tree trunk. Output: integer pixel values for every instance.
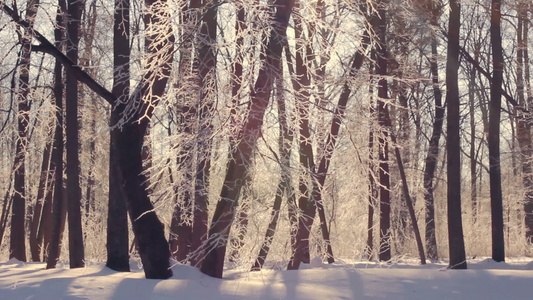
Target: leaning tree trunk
(284, 185)
(455, 224)
(38, 210)
(153, 246)
(213, 263)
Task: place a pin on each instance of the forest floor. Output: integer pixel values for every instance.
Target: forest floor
(404, 279)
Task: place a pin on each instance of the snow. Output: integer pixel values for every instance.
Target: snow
(485, 279)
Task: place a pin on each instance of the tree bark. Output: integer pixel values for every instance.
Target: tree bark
(17, 245)
(237, 168)
(496, 203)
(117, 218)
(383, 144)
(75, 234)
(153, 246)
(307, 179)
(433, 151)
(523, 128)
(455, 225)
(58, 211)
(284, 186)
(206, 66)
(38, 211)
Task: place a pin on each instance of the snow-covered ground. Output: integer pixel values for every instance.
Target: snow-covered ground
(485, 279)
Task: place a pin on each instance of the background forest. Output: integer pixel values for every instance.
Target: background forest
(264, 132)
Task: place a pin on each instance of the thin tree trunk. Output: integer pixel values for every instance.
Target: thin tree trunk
(206, 76)
(433, 151)
(238, 167)
(405, 190)
(284, 186)
(496, 203)
(58, 212)
(455, 224)
(372, 189)
(473, 163)
(384, 174)
(17, 246)
(183, 244)
(45, 226)
(6, 208)
(524, 125)
(38, 211)
(307, 180)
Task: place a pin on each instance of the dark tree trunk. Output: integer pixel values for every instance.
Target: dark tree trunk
(373, 192)
(455, 224)
(45, 226)
(433, 151)
(284, 186)
(183, 244)
(496, 203)
(384, 174)
(38, 211)
(180, 228)
(473, 152)
(237, 169)
(405, 192)
(181, 239)
(75, 234)
(206, 66)
(17, 245)
(117, 218)
(153, 246)
(58, 211)
(307, 180)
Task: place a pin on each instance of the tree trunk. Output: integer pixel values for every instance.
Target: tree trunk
(383, 144)
(17, 245)
(58, 211)
(455, 225)
(473, 152)
(523, 128)
(206, 77)
(307, 181)
(38, 211)
(284, 186)
(76, 250)
(372, 189)
(117, 218)
(183, 244)
(213, 263)
(153, 246)
(433, 151)
(496, 203)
